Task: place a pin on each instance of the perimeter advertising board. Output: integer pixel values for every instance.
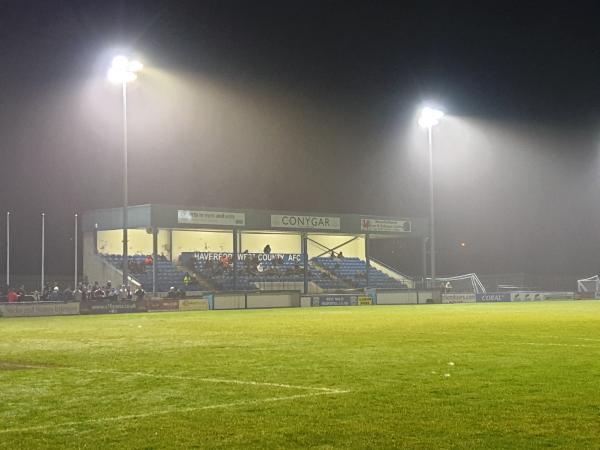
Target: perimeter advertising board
(334, 300)
(458, 298)
(526, 296)
(32, 309)
(493, 297)
(364, 300)
(162, 304)
(111, 307)
(193, 304)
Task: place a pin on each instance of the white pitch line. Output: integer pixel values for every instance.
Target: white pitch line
(179, 377)
(171, 411)
(206, 380)
(545, 344)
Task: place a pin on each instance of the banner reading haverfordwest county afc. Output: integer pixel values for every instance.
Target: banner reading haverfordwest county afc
(385, 225)
(211, 218)
(305, 222)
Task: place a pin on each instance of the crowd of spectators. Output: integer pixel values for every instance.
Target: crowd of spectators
(84, 292)
(137, 266)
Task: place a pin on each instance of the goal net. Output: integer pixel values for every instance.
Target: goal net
(591, 284)
(468, 283)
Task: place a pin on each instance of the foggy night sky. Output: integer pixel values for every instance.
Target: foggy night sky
(310, 106)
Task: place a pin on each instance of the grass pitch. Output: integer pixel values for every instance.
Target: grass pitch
(433, 376)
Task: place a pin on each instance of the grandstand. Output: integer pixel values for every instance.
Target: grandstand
(227, 250)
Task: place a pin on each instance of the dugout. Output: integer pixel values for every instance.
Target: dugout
(195, 240)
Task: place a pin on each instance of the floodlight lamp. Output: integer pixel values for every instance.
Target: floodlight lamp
(430, 117)
(122, 70)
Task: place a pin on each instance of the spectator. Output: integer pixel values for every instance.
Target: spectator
(12, 296)
(149, 260)
(139, 294)
(124, 293)
(340, 255)
(224, 262)
(332, 254)
(172, 292)
(55, 294)
(113, 294)
(21, 294)
(78, 294)
(187, 279)
(67, 294)
(267, 249)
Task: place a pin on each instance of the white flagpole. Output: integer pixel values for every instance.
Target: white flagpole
(43, 247)
(7, 248)
(76, 255)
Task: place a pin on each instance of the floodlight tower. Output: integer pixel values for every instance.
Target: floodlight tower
(429, 118)
(123, 71)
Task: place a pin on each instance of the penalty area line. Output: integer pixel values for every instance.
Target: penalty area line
(171, 411)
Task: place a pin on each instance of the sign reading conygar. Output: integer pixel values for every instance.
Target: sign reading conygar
(211, 218)
(305, 222)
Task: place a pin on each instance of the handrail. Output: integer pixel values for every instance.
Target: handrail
(391, 268)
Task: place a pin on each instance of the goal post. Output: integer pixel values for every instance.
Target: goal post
(589, 285)
(469, 282)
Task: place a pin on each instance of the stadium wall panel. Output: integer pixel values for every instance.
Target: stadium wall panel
(111, 242)
(209, 241)
(404, 297)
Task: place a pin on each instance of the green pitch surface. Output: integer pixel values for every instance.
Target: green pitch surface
(436, 376)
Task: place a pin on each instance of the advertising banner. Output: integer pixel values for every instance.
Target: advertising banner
(385, 225)
(261, 257)
(193, 304)
(458, 298)
(536, 296)
(110, 307)
(230, 219)
(38, 309)
(305, 222)
(526, 296)
(334, 300)
(493, 297)
(363, 300)
(162, 304)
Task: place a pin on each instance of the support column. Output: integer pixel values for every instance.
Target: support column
(367, 257)
(424, 250)
(171, 245)
(235, 258)
(304, 246)
(95, 239)
(154, 257)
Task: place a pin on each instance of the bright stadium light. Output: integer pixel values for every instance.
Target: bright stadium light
(429, 118)
(122, 71)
